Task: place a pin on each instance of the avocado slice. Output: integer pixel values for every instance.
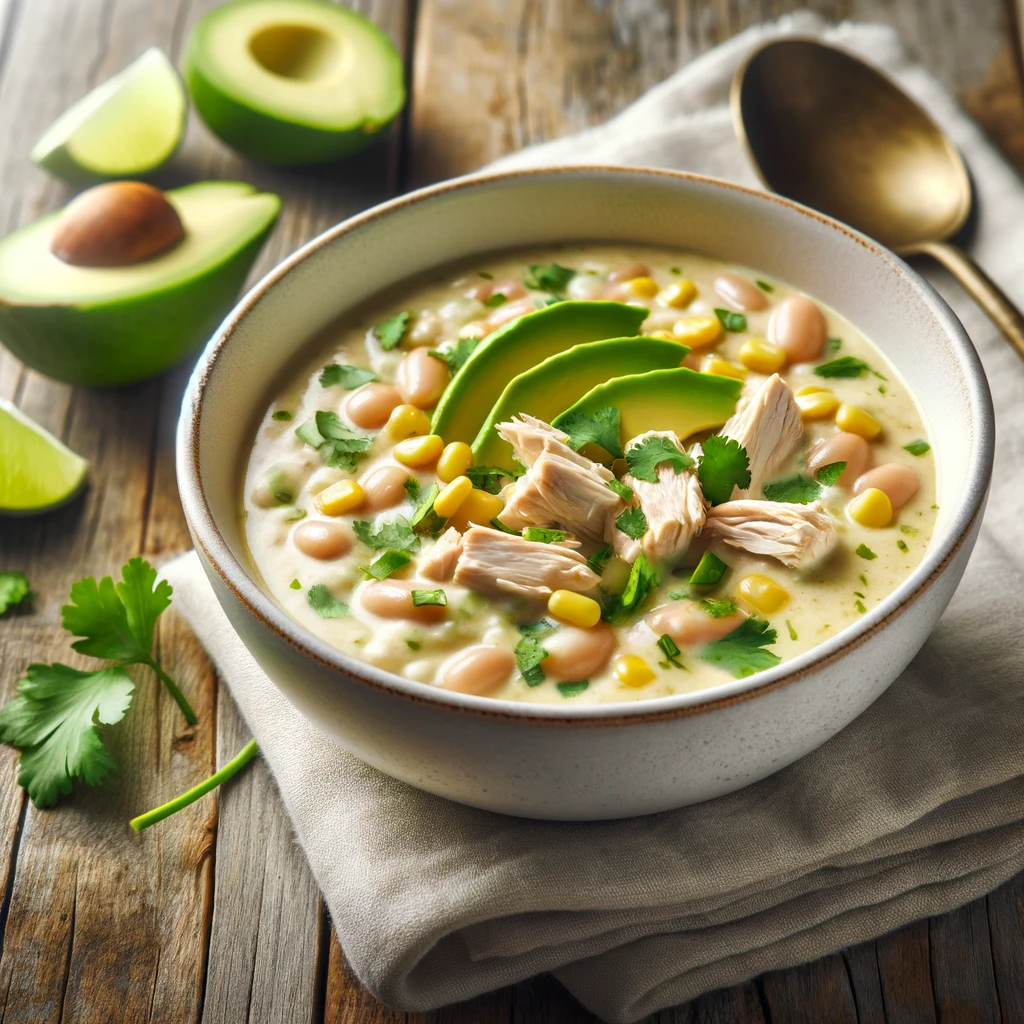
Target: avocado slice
(681, 400)
(293, 82)
(100, 326)
(518, 346)
(561, 379)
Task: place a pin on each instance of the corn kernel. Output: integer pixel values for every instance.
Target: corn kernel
(407, 421)
(448, 502)
(456, 458)
(679, 294)
(871, 508)
(339, 498)
(633, 671)
(721, 367)
(812, 389)
(479, 507)
(764, 594)
(417, 452)
(820, 405)
(762, 356)
(574, 609)
(855, 420)
(697, 331)
(641, 287)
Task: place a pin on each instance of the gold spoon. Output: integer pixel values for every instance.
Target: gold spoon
(829, 131)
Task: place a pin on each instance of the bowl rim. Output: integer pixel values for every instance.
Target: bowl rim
(251, 597)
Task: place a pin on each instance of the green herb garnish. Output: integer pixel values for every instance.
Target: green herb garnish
(798, 489)
(413, 645)
(600, 427)
(910, 531)
(488, 478)
(723, 465)
(325, 604)
(381, 568)
(599, 559)
(537, 630)
(718, 609)
(792, 631)
(425, 519)
(457, 355)
(548, 277)
(349, 377)
(397, 535)
(437, 598)
(632, 522)
(764, 285)
(643, 578)
(710, 570)
(829, 475)
(414, 489)
(834, 344)
(917, 447)
(670, 649)
(624, 492)
(543, 536)
(844, 366)
(295, 585)
(295, 515)
(902, 544)
(644, 458)
(497, 524)
(14, 589)
(731, 321)
(497, 299)
(391, 331)
(281, 415)
(529, 655)
(486, 275)
(573, 689)
(865, 552)
(338, 446)
(859, 605)
(743, 652)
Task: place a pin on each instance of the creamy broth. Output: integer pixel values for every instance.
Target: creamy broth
(285, 475)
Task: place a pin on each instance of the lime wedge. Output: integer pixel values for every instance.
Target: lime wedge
(126, 127)
(37, 472)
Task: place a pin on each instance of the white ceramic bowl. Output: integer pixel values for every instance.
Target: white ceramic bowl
(563, 761)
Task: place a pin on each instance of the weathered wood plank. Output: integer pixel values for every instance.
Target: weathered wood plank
(817, 993)
(862, 965)
(963, 979)
(1006, 932)
(904, 970)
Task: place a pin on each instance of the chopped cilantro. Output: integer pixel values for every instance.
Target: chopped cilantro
(743, 652)
(14, 589)
(349, 377)
(281, 415)
(295, 515)
(910, 531)
(600, 427)
(917, 447)
(325, 604)
(425, 519)
(798, 489)
(834, 344)
(573, 689)
(537, 630)
(710, 570)
(844, 366)
(414, 489)
(859, 605)
(485, 275)
(488, 478)
(413, 645)
(865, 552)
(396, 535)
(882, 389)
(644, 458)
(643, 578)
(437, 598)
(497, 299)
(457, 355)
(548, 277)
(632, 522)
(829, 475)
(863, 579)
(529, 655)
(670, 650)
(718, 609)
(391, 331)
(295, 585)
(723, 465)
(624, 492)
(599, 559)
(731, 321)
(542, 535)
(764, 285)
(497, 524)
(857, 593)
(391, 561)
(338, 446)
(902, 544)
(792, 631)
(676, 270)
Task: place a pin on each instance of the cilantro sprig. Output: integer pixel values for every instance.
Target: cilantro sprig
(529, 655)
(338, 446)
(644, 458)
(397, 535)
(349, 377)
(796, 489)
(456, 356)
(643, 578)
(391, 331)
(632, 522)
(14, 589)
(844, 366)
(548, 277)
(742, 652)
(723, 465)
(600, 427)
(829, 475)
(731, 321)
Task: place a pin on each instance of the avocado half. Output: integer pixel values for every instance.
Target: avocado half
(293, 82)
(101, 326)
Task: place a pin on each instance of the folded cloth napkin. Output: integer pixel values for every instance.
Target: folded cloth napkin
(913, 809)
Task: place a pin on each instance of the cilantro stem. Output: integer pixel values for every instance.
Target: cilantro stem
(179, 697)
(239, 761)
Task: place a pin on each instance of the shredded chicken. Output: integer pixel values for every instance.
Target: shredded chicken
(768, 425)
(796, 535)
(497, 563)
(561, 487)
(673, 507)
(438, 562)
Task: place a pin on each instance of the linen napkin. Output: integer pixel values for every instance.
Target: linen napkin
(916, 807)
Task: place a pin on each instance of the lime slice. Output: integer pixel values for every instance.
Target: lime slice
(128, 126)
(36, 471)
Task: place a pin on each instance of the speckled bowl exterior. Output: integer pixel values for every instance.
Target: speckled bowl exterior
(561, 761)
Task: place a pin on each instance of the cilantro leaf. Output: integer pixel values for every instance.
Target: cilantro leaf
(731, 321)
(337, 445)
(644, 458)
(281, 415)
(865, 552)
(670, 649)
(632, 522)
(488, 478)
(917, 447)
(548, 277)
(497, 524)
(718, 609)
(391, 331)
(643, 578)
(396, 535)
(742, 652)
(457, 355)
(829, 475)
(723, 465)
(425, 519)
(844, 366)
(600, 427)
(429, 597)
(543, 536)
(573, 689)
(52, 721)
(834, 344)
(495, 300)
(529, 655)
(624, 492)
(599, 559)
(537, 630)
(391, 561)
(792, 632)
(764, 285)
(349, 377)
(14, 589)
(325, 604)
(414, 489)
(798, 489)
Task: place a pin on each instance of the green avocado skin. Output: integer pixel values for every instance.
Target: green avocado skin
(127, 339)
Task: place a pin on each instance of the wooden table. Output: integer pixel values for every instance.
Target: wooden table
(213, 916)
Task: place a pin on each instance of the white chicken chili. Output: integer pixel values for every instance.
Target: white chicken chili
(608, 476)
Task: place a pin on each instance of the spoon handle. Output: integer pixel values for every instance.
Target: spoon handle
(992, 299)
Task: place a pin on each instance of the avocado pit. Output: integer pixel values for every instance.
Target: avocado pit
(116, 225)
